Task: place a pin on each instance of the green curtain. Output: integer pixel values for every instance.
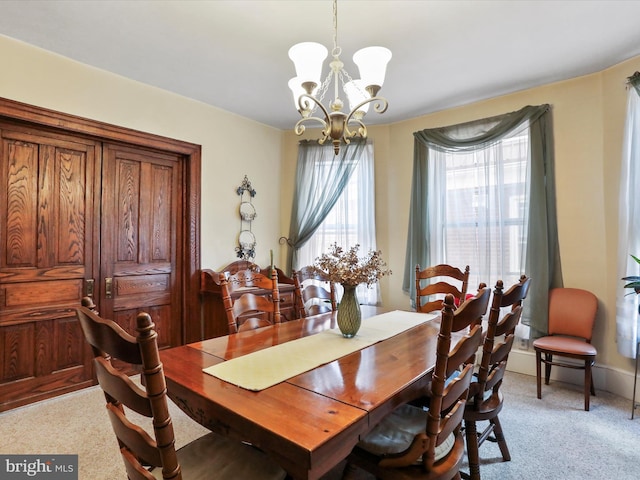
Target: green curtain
(542, 258)
(317, 189)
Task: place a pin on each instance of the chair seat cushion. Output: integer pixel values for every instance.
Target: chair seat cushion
(215, 455)
(560, 345)
(397, 430)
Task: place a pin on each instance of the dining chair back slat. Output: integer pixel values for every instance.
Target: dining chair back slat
(433, 283)
(248, 310)
(315, 293)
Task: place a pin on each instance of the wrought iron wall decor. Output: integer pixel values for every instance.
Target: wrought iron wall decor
(246, 249)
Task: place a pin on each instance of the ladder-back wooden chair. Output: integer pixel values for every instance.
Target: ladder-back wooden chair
(315, 293)
(428, 445)
(485, 397)
(146, 455)
(248, 310)
(430, 293)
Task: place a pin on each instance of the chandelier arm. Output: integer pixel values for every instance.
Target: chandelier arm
(299, 128)
(306, 106)
(362, 128)
(380, 105)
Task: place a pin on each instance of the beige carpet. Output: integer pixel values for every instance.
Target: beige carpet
(551, 439)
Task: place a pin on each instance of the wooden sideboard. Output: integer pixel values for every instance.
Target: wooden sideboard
(214, 317)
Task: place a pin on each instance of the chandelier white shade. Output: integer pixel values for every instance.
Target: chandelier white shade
(308, 90)
(308, 58)
(372, 64)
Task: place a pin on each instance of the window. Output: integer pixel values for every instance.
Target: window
(351, 221)
(483, 215)
(483, 195)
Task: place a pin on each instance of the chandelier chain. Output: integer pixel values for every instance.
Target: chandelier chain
(336, 49)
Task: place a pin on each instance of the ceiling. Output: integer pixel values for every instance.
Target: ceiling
(233, 53)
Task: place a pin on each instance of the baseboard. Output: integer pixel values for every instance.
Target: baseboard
(614, 380)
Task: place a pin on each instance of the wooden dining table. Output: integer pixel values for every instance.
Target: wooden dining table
(308, 423)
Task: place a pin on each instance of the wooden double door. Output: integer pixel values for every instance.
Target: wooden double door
(82, 216)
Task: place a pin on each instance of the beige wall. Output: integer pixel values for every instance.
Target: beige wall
(588, 116)
(37, 77)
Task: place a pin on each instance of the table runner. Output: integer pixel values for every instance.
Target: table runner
(265, 368)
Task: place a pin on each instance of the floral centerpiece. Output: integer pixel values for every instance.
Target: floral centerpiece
(347, 268)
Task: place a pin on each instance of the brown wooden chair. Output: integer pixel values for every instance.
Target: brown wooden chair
(315, 293)
(485, 397)
(153, 456)
(412, 442)
(249, 311)
(467, 321)
(429, 293)
(572, 314)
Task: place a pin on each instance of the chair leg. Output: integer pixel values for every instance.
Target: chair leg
(502, 443)
(473, 455)
(547, 367)
(539, 373)
(587, 383)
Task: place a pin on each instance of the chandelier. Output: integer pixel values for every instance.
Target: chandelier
(308, 92)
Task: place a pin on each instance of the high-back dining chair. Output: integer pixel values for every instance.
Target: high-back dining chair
(572, 314)
(485, 397)
(249, 311)
(414, 443)
(315, 293)
(430, 294)
(149, 456)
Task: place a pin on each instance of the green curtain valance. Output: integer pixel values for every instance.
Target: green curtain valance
(489, 130)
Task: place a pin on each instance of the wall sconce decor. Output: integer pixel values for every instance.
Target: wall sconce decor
(246, 249)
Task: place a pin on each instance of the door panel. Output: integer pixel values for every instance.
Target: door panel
(139, 239)
(51, 187)
(46, 253)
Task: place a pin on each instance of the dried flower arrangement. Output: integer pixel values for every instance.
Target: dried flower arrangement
(345, 267)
